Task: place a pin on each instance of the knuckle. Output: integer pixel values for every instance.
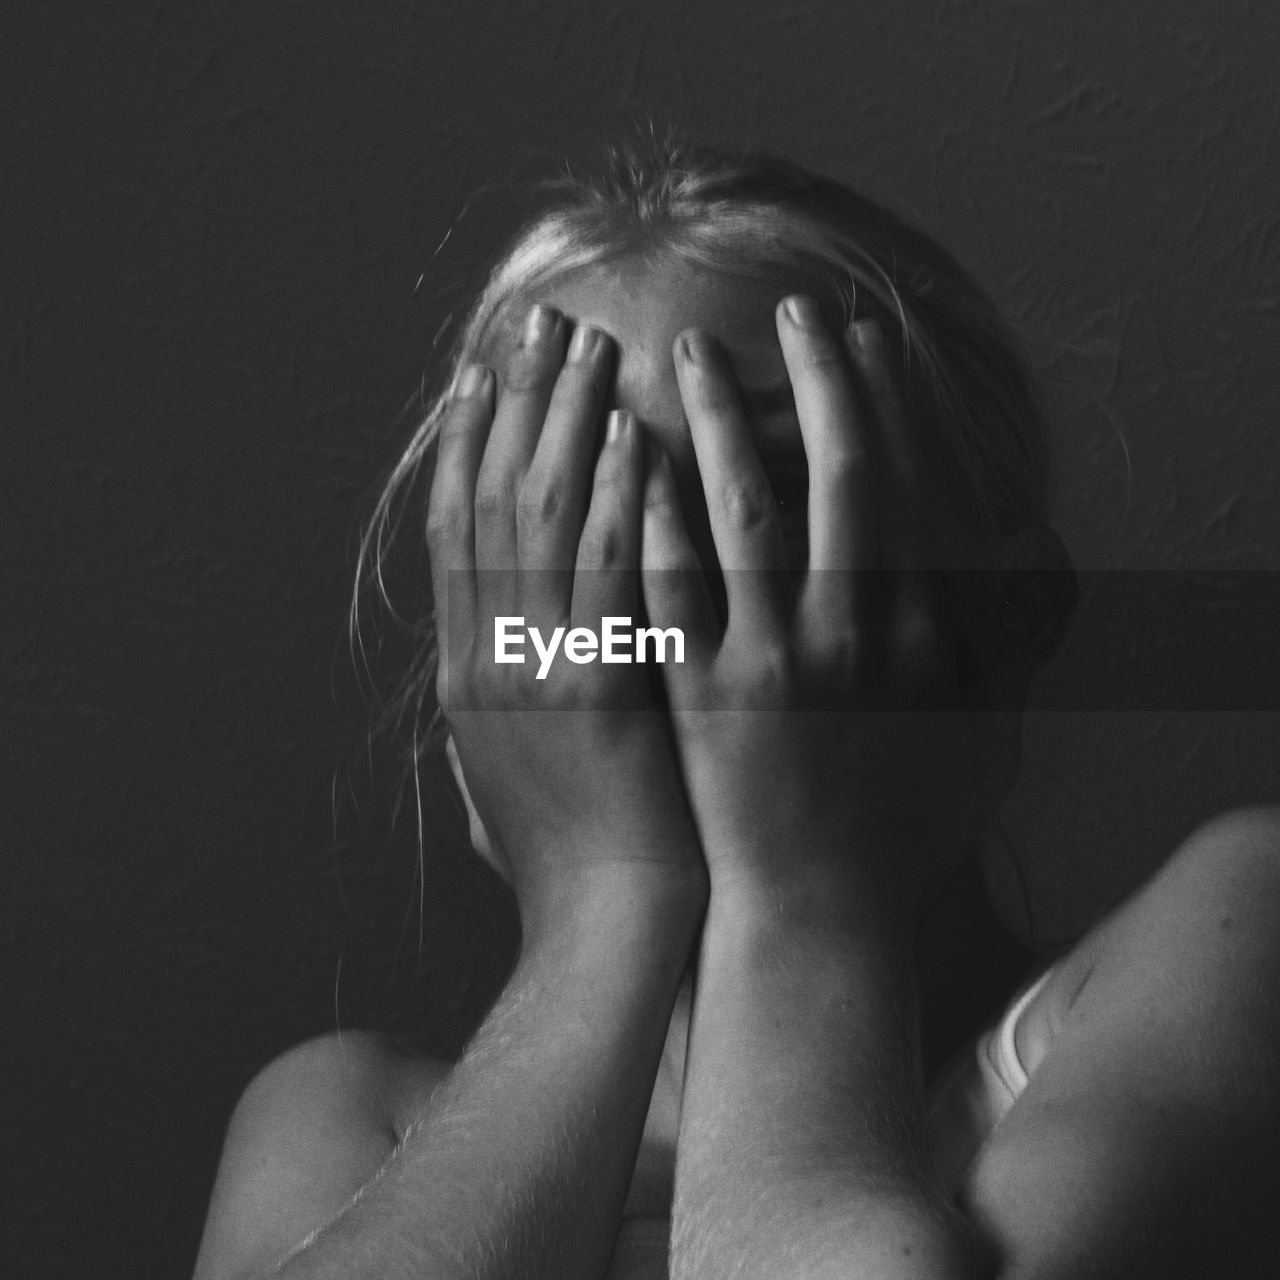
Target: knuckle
(463, 413)
(821, 354)
(601, 547)
(528, 370)
(748, 502)
(673, 566)
(773, 667)
(492, 499)
(660, 498)
(541, 501)
(447, 523)
(578, 386)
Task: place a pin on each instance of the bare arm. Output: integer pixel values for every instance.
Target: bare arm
(1148, 1143)
(517, 1163)
(832, 764)
(801, 1150)
(521, 1163)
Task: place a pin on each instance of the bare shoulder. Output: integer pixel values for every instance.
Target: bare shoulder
(1148, 1139)
(311, 1128)
(1224, 862)
(1213, 902)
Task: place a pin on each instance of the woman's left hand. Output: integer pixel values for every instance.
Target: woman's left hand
(823, 736)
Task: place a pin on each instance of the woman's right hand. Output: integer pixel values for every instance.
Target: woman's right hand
(574, 775)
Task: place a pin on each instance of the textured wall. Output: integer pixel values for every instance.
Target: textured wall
(219, 295)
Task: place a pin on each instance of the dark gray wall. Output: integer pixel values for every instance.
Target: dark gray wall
(219, 294)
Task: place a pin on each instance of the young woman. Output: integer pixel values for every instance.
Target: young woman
(717, 395)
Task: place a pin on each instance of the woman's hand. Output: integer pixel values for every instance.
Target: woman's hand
(824, 735)
(573, 772)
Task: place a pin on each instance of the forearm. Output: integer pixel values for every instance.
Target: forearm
(801, 1148)
(521, 1165)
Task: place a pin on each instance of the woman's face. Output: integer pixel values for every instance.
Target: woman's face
(644, 306)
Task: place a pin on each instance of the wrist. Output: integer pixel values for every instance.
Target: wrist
(831, 865)
(593, 911)
(842, 902)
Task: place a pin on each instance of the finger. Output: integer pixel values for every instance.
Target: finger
(527, 383)
(920, 634)
(557, 488)
(608, 553)
(740, 504)
(840, 446)
(902, 502)
(451, 511)
(676, 593)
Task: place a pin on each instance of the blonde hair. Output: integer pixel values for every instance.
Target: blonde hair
(767, 220)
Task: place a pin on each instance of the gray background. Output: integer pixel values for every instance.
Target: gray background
(220, 292)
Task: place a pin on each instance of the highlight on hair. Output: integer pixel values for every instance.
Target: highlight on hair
(764, 219)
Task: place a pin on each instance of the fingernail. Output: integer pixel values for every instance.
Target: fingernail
(802, 311)
(470, 381)
(539, 324)
(695, 347)
(586, 341)
(618, 425)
